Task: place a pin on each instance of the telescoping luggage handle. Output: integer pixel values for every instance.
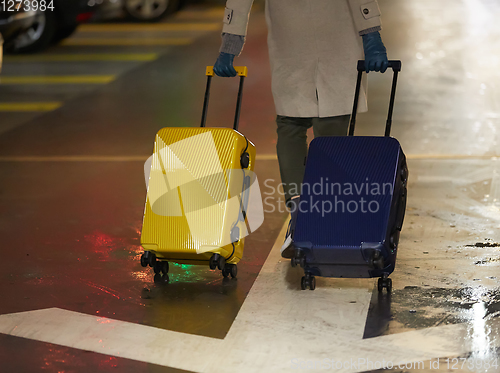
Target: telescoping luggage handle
(396, 67)
(242, 73)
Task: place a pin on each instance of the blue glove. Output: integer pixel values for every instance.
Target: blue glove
(224, 65)
(375, 52)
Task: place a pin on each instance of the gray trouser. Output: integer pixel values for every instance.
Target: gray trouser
(292, 145)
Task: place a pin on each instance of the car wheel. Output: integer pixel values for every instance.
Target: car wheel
(39, 35)
(150, 10)
(63, 33)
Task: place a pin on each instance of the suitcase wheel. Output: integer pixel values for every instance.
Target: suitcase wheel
(152, 259)
(230, 270)
(217, 261)
(148, 259)
(298, 261)
(164, 267)
(308, 281)
(212, 263)
(159, 279)
(161, 267)
(384, 282)
(144, 260)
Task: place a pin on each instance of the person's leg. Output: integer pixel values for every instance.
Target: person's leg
(331, 126)
(292, 152)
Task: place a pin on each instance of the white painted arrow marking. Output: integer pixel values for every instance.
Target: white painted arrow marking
(275, 325)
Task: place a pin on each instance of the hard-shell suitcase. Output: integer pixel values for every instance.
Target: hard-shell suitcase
(352, 203)
(198, 186)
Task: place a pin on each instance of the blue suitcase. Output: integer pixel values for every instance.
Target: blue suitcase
(352, 204)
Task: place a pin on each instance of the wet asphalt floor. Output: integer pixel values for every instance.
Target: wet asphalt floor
(71, 226)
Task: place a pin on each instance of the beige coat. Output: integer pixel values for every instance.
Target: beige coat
(313, 46)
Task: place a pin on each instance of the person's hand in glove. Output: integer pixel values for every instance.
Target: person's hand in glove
(375, 52)
(224, 65)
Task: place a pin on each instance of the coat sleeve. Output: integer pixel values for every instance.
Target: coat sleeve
(366, 15)
(236, 17)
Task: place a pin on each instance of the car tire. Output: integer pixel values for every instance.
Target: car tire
(39, 36)
(64, 32)
(150, 10)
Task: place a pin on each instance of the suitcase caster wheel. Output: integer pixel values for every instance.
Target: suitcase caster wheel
(164, 267)
(302, 261)
(157, 268)
(293, 262)
(380, 285)
(159, 279)
(212, 263)
(384, 283)
(217, 261)
(152, 260)
(312, 283)
(231, 269)
(234, 271)
(303, 283)
(308, 282)
(144, 260)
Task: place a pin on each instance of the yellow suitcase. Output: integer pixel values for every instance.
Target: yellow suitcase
(198, 186)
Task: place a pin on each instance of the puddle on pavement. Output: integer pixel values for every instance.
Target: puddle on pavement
(417, 307)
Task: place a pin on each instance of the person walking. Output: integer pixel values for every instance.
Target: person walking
(314, 46)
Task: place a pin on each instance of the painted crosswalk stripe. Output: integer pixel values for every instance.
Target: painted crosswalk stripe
(127, 41)
(63, 79)
(29, 106)
(84, 57)
(124, 27)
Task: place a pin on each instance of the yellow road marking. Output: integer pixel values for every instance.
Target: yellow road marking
(71, 79)
(150, 27)
(266, 157)
(84, 57)
(129, 41)
(29, 106)
(74, 158)
(215, 12)
(142, 158)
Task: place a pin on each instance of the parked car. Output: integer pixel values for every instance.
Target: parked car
(14, 22)
(50, 26)
(138, 10)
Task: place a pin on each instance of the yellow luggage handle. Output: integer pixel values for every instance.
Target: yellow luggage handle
(241, 70)
(242, 73)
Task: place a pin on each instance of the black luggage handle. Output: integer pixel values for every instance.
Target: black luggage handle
(242, 73)
(395, 65)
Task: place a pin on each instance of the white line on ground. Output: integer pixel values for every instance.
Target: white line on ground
(277, 327)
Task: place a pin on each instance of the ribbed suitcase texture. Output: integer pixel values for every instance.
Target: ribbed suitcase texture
(203, 175)
(352, 206)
